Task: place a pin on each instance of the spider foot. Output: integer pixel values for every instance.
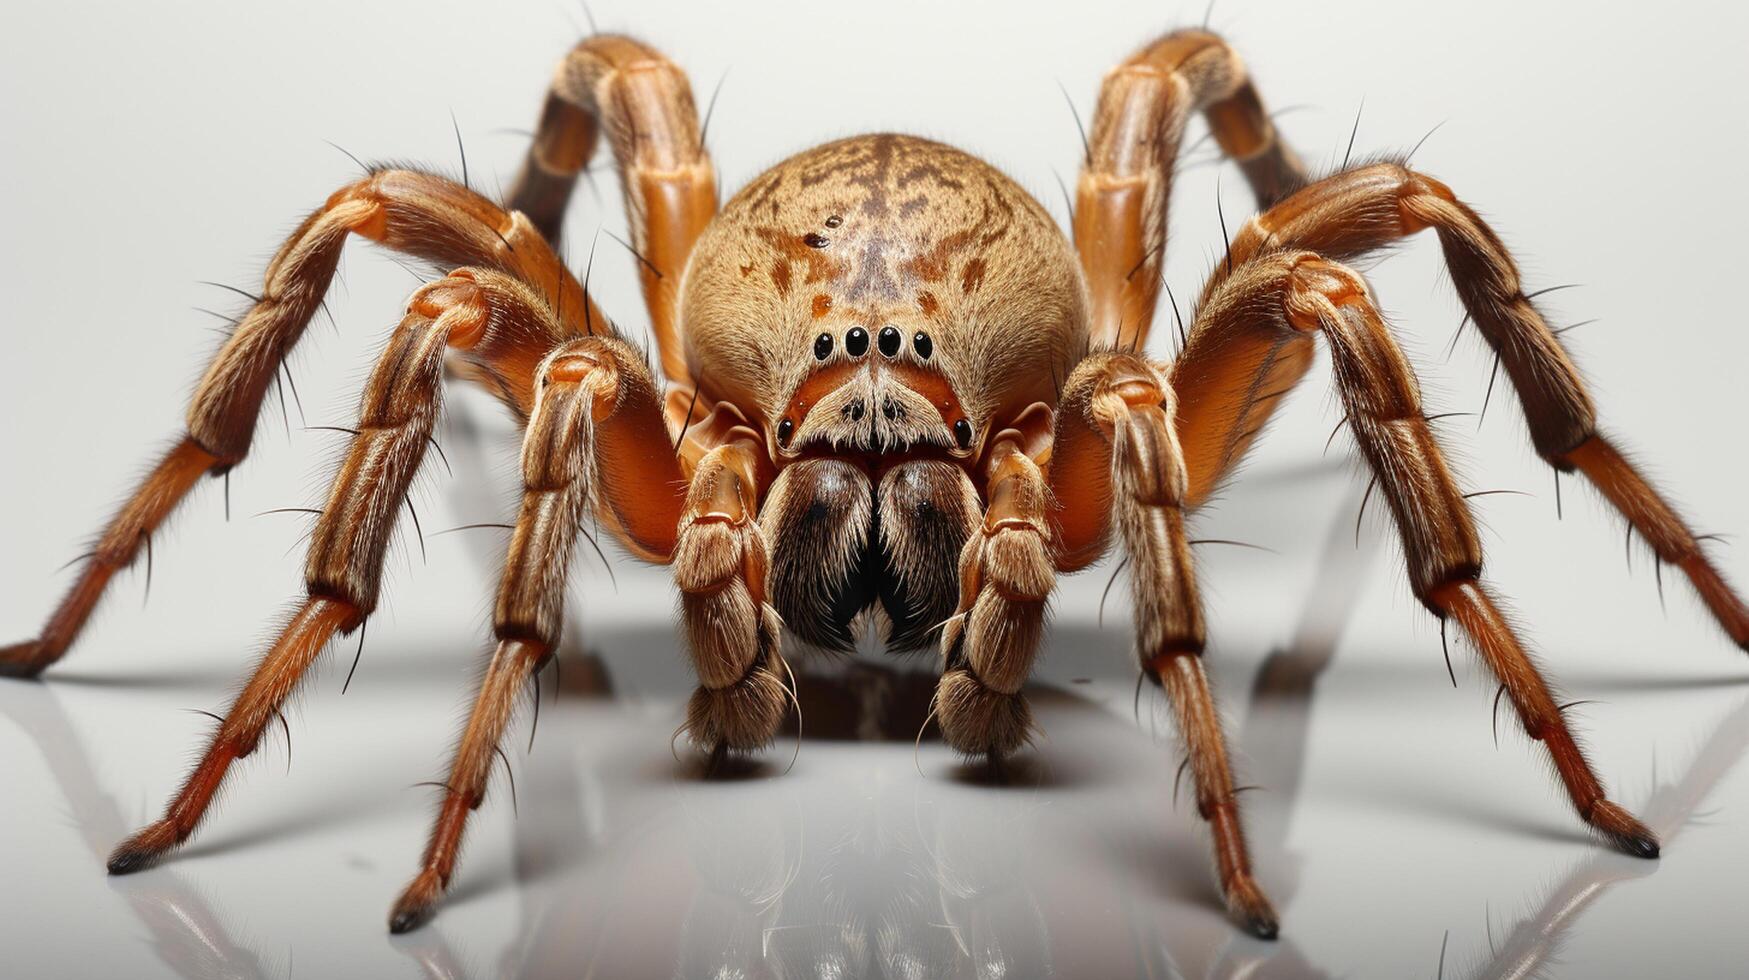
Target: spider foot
(1248, 906)
(143, 849)
(743, 717)
(979, 721)
(1627, 834)
(25, 660)
(418, 902)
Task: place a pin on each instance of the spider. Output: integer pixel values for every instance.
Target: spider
(893, 396)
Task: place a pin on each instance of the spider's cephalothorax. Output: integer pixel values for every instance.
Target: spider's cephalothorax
(893, 391)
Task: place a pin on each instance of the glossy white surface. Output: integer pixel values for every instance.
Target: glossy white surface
(149, 149)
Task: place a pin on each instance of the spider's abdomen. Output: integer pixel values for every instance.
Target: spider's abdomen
(877, 252)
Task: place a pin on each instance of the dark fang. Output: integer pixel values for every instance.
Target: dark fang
(814, 239)
(856, 342)
(923, 345)
(822, 347)
(890, 340)
(962, 433)
(785, 429)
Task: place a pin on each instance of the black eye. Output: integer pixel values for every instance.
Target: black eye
(962, 433)
(856, 342)
(822, 347)
(785, 429)
(923, 345)
(889, 340)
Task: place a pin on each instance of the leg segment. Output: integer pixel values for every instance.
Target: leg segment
(1382, 399)
(721, 564)
(1126, 184)
(343, 571)
(1366, 208)
(595, 443)
(409, 212)
(645, 104)
(988, 646)
(1116, 453)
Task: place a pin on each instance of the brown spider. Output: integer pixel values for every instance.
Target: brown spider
(896, 396)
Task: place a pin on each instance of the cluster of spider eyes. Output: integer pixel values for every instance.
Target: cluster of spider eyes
(890, 340)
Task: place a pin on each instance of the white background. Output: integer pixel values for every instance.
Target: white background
(145, 147)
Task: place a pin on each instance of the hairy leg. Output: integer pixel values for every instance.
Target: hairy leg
(1126, 181)
(1116, 467)
(588, 449)
(644, 103)
(343, 573)
(409, 212)
(721, 565)
(1299, 292)
(1005, 579)
(1357, 211)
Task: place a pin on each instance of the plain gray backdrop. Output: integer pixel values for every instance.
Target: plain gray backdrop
(147, 147)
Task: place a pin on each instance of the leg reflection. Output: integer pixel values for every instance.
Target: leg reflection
(186, 934)
(1530, 946)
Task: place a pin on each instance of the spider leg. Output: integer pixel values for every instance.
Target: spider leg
(645, 104)
(1116, 466)
(721, 565)
(596, 443)
(1357, 211)
(406, 211)
(343, 572)
(1006, 576)
(1126, 181)
(1300, 292)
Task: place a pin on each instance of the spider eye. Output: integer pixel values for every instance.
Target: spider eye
(822, 347)
(962, 433)
(923, 345)
(785, 430)
(856, 342)
(890, 340)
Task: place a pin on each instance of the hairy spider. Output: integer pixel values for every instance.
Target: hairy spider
(894, 397)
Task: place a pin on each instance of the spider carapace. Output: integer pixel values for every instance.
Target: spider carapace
(893, 396)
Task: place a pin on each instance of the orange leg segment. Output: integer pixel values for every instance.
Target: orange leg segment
(1381, 396)
(1225, 401)
(1117, 409)
(644, 103)
(1125, 188)
(587, 450)
(409, 212)
(343, 572)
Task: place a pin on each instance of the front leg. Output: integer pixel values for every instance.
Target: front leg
(596, 443)
(720, 564)
(1116, 465)
(1006, 577)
